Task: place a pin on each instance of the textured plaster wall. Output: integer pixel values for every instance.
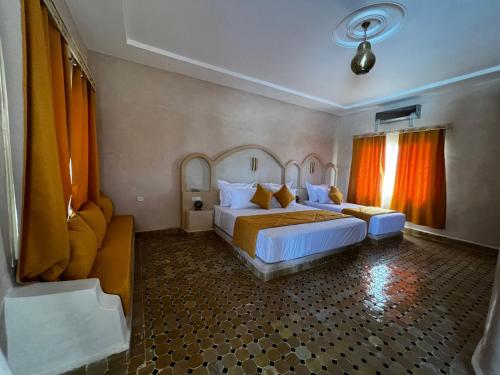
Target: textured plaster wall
(150, 119)
(472, 155)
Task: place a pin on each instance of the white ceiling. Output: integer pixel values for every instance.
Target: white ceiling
(283, 48)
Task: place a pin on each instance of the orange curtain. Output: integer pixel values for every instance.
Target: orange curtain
(420, 186)
(58, 58)
(79, 145)
(93, 188)
(45, 238)
(367, 171)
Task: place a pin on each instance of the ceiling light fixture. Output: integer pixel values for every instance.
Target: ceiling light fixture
(364, 59)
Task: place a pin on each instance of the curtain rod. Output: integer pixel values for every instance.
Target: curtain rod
(406, 130)
(72, 45)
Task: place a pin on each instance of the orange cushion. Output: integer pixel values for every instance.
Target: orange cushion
(113, 263)
(262, 197)
(335, 195)
(106, 205)
(83, 249)
(284, 196)
(95, 219)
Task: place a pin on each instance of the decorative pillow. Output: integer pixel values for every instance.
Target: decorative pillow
(225, 190)
(275, 188)
(335, 195)
(284, 196)
(106, 205)
(241, 197)
(83, 250)
(95, 219)
(262, 197)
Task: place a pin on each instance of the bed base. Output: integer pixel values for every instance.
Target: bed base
(376, 238)
(269, 271)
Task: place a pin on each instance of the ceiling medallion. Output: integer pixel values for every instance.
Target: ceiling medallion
(384, 19)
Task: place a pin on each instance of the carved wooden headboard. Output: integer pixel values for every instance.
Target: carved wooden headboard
(247, 163)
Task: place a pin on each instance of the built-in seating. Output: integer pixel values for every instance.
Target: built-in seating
(113, 265)
(87, 315)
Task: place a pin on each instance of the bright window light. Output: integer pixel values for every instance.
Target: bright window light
(391, 159)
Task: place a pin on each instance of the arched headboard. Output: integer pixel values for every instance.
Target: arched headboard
(246, 163)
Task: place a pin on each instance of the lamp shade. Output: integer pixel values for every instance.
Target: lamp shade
(364, 59)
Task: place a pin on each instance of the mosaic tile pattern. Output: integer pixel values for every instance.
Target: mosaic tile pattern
(411, 306)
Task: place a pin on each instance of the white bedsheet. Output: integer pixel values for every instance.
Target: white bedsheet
(379, 224)
(294, 241)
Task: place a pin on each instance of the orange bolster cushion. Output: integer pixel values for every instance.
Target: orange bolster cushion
(83, 250)
(95, 219)
(262, 197)
(284, 196)
(106, 205)
(113, 263)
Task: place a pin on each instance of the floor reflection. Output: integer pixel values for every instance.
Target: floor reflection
(378, 279)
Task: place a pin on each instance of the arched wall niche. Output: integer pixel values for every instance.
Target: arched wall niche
(311, 170)
(330, 176)
(292, 173)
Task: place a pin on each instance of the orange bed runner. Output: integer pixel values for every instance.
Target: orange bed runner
(246, 228)
(366, 213)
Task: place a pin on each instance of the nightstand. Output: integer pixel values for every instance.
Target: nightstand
(198, 221)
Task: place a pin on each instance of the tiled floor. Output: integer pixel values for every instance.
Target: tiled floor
(413, 306)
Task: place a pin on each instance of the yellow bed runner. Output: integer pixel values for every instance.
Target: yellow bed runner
(246, 228)
(366, 213)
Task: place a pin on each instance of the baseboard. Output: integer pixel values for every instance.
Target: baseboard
(449, 239)
(154, 233)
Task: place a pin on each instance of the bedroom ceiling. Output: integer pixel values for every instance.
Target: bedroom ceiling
(286, 50)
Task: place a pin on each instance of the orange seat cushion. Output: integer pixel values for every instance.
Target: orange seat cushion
(113, 264)
(83, 249)
(95, 219)
(106, 205)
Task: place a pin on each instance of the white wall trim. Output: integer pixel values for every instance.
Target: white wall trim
(335, 107)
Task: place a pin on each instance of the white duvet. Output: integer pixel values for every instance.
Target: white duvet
(294, 241)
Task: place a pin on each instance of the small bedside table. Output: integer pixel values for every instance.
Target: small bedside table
(198, 221)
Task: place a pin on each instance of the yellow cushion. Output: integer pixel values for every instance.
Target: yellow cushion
(113, 263)
(95, 219)
(284, 196)
(83, 249)
(262, 197)
(106, 205)
(335, 195)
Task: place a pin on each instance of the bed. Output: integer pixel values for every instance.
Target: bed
(292, 248)
(380, 227)
(276, 251)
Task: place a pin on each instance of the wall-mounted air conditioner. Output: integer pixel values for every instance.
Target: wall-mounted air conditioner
(409, 113)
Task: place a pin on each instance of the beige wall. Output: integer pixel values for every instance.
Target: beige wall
(472, 155)
(150, 119)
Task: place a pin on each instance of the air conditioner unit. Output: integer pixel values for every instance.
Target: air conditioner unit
(409, 113)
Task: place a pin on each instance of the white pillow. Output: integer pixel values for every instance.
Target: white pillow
(321, 193)
(224, 190)
(241, 197)
(310, 192)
